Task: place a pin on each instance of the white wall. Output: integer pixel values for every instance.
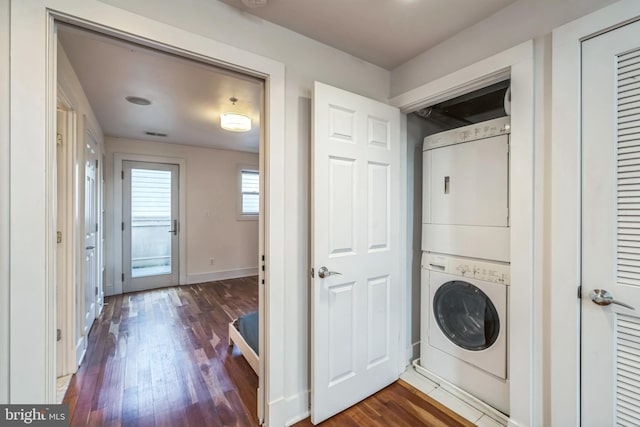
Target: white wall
(521, 21)
(4, 202)
(305, 61)
(212, 227)
(72, 97)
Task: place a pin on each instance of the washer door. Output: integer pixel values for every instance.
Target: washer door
(466, 315)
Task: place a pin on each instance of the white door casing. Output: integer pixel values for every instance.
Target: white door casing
(150, 280)
(611, 227)
(356, 219)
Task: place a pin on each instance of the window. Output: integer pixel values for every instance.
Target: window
(249, 192)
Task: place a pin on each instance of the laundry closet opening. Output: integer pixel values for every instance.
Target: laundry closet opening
(459, 153)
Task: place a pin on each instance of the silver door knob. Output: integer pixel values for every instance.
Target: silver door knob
(324, 272)
(603, 297)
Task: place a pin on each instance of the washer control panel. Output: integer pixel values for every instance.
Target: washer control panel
(487, 271)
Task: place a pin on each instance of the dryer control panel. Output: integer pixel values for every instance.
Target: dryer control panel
(487, 271)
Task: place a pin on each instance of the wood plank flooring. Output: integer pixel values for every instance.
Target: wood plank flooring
(161, 358)
(398, 405)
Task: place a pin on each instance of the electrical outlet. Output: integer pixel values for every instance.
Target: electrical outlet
(211, 260)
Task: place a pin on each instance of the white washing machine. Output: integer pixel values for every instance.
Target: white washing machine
(464, 325)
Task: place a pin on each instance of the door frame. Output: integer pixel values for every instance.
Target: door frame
(565, 239)
(525, 349)
(66, 192)
(32, 133)
(118, 159)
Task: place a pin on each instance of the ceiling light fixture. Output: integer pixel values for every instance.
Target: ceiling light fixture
(235, 122)
(138, 100)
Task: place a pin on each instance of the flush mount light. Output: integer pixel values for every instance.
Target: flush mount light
(138, 100)
(235, 122)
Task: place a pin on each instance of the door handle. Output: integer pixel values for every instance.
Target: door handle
(88, 248)
(324, 272)
(175, 228)
(603, 297)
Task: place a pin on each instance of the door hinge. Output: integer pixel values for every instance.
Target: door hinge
(580, 292)
(96, 163)
(123, 277)
(96, 227)
(313, 273)
(59, 139)
(96, 291)
(262, 263)
(122, 174)
(122, 225)
(59, 237)
(58, 334)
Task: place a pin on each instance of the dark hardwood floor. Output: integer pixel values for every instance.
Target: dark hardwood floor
(398, 405)
(161, 358)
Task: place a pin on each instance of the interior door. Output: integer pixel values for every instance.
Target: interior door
(611, 228)
(90, 289)
(356, 254)
(150, 227)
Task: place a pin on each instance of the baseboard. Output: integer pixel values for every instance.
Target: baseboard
(412, 352)
(288, 411)
(221, 275)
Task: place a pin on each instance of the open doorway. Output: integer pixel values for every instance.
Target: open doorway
(208, 224)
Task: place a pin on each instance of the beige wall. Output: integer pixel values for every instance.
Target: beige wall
(212, 227)
(521, 21)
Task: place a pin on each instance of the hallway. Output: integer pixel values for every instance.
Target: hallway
(161, 358)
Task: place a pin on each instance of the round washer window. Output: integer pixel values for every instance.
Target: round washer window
(466, 315)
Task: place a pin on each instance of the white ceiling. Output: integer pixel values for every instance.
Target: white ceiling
(384, 32)
(187, 97)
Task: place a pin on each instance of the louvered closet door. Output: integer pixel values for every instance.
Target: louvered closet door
(611, 227)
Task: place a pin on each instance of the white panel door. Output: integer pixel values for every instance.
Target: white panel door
(356, 230)
(611, 228)
(89, 283)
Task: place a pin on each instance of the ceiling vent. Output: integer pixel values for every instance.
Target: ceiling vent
(150, 133)
(254, 3)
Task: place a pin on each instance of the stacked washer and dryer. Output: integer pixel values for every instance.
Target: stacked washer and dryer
(465, 261)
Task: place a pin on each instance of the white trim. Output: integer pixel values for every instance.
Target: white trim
(221, 275)
(565, 214)
(291, 410)
(116, 255)
(405, 243)
(518, 63)
(31, 380)
(5, 229)
(69, 232)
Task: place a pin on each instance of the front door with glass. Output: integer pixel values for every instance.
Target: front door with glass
(150, 225)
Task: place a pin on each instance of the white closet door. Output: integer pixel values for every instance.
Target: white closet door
(611, 228)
